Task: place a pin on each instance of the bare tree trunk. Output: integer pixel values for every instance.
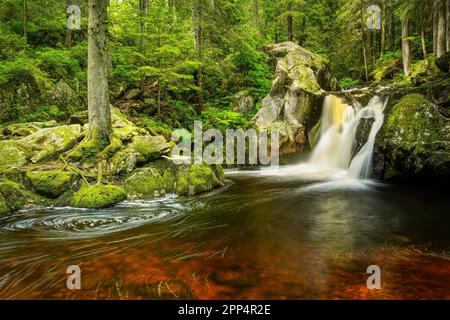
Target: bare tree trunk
(383, 29)
(406, 49)
(143, 10)
(441, 39)
(363, 42)
(197, 26)
(98, 90)
(423, 44)
(435, 30)
(448, 25)
(68, 30)
(290, 24)
(25, 19)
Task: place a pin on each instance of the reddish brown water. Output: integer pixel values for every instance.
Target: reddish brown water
(260, 237)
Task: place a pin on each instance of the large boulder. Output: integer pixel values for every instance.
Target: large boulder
(414, 142)
(49, 142)
(243, 103)
(294, 102)
(163, 177)
(14, 153)
(51, 183)
(97, 197)
(141, 150)
(25, 129)
(15, 197)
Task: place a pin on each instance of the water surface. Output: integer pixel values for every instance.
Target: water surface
(291, 233)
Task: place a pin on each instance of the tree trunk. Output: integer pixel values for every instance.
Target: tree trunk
(366, 69)
(383, 30)
(68, 30)
(143, 10)
(98, 91)
(441, 39)
(197, 26)
(448, 25)
(435, 30)
(290, 24)
(25, 19)
(406, 49)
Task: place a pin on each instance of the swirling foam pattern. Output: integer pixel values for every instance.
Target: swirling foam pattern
(79, 223)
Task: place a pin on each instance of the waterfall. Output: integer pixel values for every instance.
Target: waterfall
(337, 142)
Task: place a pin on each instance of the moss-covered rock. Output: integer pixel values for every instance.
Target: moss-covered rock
(414, 142)
(152, 181)
(48, 143)
(141, 150)
(294, 102)
(163, 177)
(15, 196)
(4, 209)
(25, 129)
(14, 153)
(98, 196)
(51, 183)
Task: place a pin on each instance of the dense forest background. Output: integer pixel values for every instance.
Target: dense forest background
(173, 61)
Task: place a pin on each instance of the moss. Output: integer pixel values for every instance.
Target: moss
(201, 179)
(48, 143)
(14, 153)
(153, 181)
(14, 196)
(415, 139)
(51, 183)
(98, 196)
(4, 209)
(85, 151)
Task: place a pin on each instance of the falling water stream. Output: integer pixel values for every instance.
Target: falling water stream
(306, 230)
(338, 136)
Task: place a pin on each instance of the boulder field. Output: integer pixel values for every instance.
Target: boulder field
(50, 164)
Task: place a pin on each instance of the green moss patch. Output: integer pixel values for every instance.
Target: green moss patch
(51, 183)
(98, 196)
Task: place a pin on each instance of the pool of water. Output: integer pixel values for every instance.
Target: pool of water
(291, 233)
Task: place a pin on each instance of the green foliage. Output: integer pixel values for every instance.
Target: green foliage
(44, 113)
(223, 119)
(349, 82)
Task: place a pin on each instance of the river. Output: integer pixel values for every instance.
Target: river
(289, 233)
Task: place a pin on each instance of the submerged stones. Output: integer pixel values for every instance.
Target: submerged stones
(97, 197)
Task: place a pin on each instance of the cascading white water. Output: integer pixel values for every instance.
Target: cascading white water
(337, 137)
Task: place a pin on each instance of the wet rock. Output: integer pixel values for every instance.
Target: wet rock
(294, 103)
(50, 142)
(362, 134)
(98, 196)
(414, 142)
(51, 183)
